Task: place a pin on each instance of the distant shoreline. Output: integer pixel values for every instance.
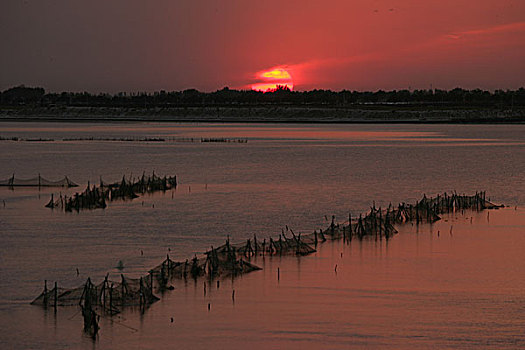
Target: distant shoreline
(375, 114)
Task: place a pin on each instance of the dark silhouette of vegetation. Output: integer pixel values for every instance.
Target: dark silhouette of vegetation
(508, 99)
(21, 95)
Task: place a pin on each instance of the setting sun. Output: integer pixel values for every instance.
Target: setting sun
(273, 78)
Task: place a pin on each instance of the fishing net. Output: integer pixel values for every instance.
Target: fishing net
(109, 295)
(95, 197)
(232, 259)
(37, 182)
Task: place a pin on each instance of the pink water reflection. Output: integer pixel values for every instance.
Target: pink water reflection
(242, 131)
(421, 290)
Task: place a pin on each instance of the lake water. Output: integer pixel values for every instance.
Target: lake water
(463, 290)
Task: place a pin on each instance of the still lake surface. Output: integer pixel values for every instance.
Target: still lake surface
(418, 291)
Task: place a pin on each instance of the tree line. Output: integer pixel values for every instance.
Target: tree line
(37, 96)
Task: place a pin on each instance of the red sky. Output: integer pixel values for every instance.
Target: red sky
(136, 45)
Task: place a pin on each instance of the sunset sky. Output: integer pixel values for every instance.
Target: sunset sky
(138, 45)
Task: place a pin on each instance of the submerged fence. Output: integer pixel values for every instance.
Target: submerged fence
(96, 197)
(38, 181)
(230, 259)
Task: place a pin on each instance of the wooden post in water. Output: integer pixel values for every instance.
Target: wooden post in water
(56, 295)
(103, 292)
(142, 296)
(350, 227)
(122, 295)
(380, 224)
(45, 293)
(111, 299)
(170, 263)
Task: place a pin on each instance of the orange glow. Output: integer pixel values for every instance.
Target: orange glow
(273, 78)
(277, 73)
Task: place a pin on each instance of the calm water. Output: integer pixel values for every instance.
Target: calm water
(419, 291)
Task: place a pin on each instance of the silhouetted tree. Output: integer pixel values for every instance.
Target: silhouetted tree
(457, 97)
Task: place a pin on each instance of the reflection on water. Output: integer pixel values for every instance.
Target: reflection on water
(463, 290)
(261, 132)
(419, 290)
